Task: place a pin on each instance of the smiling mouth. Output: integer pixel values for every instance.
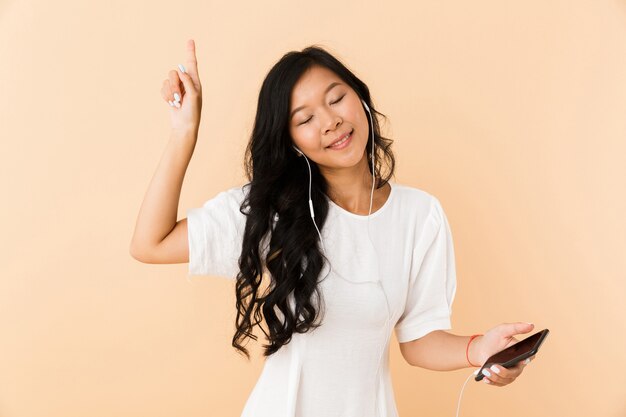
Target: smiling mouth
(341, 141)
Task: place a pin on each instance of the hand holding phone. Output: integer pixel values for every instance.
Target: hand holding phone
(512, 355)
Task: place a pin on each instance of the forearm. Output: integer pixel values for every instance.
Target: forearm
(159, 210)
(442, 351)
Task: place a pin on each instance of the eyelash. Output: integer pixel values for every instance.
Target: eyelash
(334, 102)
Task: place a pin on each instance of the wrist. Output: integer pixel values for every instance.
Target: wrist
(474, 355)
(184, 132)
(184, 139)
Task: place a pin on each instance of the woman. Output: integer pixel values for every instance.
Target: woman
(327, 253)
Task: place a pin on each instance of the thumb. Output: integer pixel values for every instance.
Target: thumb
(517, 328)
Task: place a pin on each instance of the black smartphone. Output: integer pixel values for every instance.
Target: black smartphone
(510, 356)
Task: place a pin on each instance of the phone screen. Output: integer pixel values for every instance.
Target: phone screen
(510, 356)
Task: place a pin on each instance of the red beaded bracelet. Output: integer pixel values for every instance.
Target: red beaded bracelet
(467, 349)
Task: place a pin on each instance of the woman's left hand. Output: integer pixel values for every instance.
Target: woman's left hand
(495, 340)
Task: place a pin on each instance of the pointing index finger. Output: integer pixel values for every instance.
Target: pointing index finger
(191, 50)
(192, 63)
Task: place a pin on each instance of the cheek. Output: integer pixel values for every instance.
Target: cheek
(361, 124)
(307, 136)
(358, 115)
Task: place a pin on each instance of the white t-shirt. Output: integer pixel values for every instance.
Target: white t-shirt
(405, 282)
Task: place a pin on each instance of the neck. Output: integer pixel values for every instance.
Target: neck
(351, 187)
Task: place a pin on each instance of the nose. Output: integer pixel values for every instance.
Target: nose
(332, 122)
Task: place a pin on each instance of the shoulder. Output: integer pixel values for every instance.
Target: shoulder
(418, 200)
(426, 214)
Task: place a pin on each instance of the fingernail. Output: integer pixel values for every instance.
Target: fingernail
(176, 97)
(486, 381)
(527, 361)
(171, 103)
(495, 369)
(529, 323)
(177, 104)
(182, 68)
(486, 372)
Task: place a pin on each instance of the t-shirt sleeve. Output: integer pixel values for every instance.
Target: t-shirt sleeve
(432, 283)
(215, 235)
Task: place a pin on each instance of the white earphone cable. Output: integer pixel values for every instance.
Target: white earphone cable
(373, 178)
(311, 204)
(458, 407)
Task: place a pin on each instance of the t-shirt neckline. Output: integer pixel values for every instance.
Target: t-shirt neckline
(365, 216)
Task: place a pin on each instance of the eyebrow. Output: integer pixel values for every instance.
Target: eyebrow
(330, 86)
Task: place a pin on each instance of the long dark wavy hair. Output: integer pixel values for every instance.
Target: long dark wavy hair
(277, 210)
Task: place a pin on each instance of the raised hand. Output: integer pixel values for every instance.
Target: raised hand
(182, 89)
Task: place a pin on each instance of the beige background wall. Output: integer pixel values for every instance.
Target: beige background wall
(512, 113)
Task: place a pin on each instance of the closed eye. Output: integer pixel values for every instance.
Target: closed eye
(338, 100)
(334, 102)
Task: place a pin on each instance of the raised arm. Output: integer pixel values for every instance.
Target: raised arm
(158, 236)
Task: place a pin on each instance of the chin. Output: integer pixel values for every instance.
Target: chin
(347, 161)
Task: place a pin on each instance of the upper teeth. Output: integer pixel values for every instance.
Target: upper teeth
(342, 140)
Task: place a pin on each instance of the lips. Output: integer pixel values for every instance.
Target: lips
(340, 138)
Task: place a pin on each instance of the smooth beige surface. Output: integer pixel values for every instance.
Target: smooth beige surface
(511, 113)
